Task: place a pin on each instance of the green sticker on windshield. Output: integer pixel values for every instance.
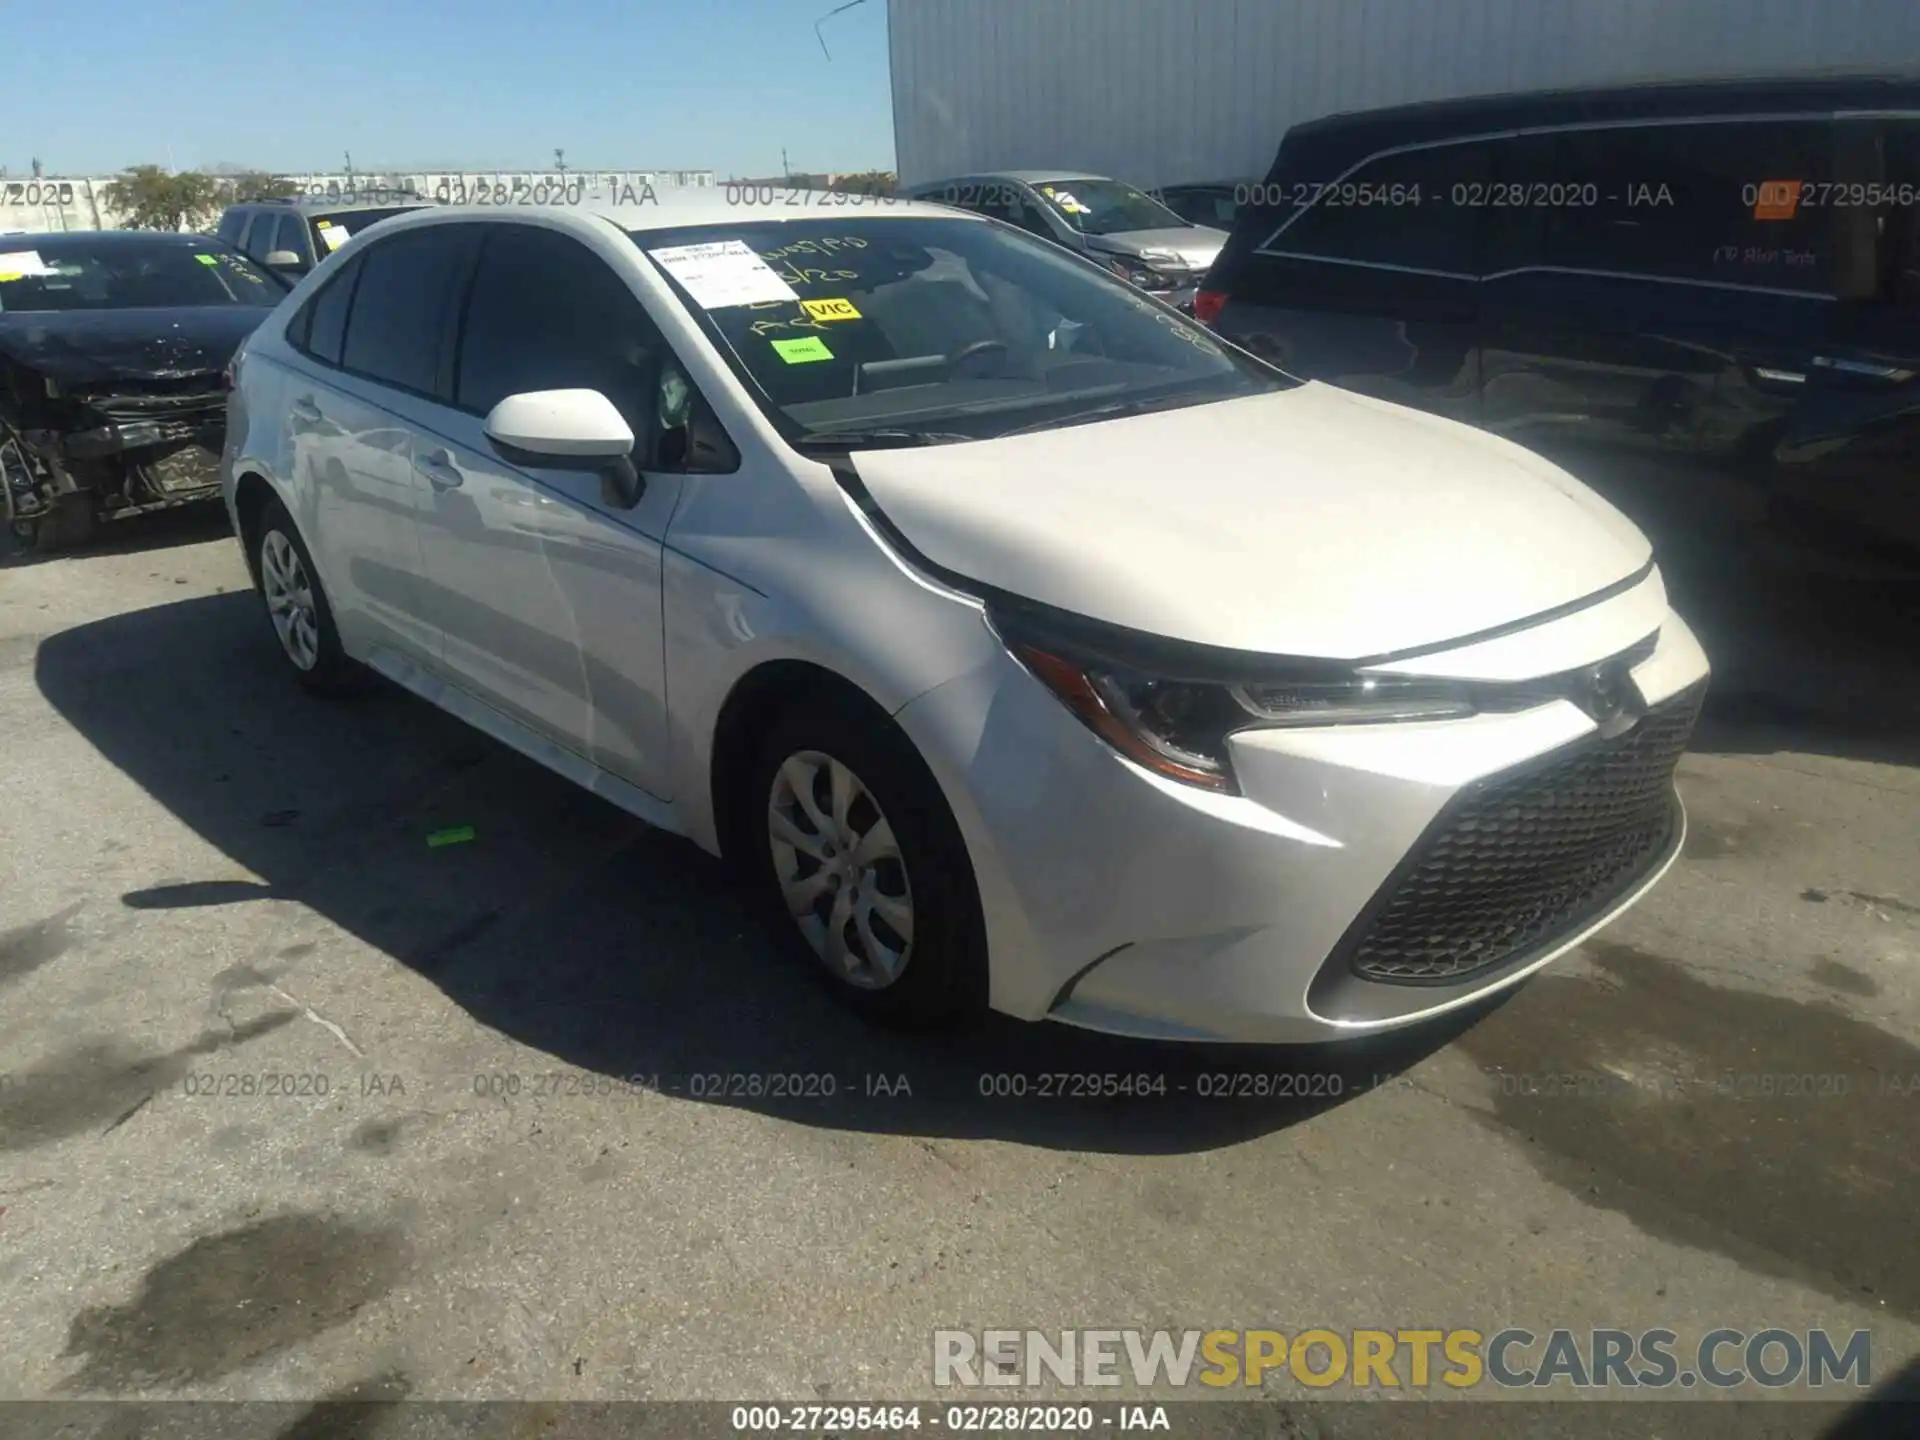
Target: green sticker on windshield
(800, 352)
(208, 259)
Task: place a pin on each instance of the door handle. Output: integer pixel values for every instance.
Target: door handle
(305, 410)
(441, 471)
(1871, 369)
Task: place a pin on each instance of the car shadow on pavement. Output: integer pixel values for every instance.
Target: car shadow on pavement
(577, 931)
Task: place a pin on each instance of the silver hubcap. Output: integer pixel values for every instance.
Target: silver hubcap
(841, 870)
(290, 600)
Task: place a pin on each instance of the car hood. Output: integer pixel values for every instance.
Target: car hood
(1307, 522)
(77, 347)
(1197, 245)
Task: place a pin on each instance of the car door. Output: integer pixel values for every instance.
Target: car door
(1853, 453)
(1367, 278)
(547, 592)
(373, 328)
(1650, 310)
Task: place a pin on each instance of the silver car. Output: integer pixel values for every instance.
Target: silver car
(1129, 231)
(1025, 646)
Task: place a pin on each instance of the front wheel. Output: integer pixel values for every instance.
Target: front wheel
(297, 605)
(857, 846)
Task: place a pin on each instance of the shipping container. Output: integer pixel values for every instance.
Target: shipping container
(1162, 91)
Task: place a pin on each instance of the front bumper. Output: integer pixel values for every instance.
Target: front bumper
(1119, 901)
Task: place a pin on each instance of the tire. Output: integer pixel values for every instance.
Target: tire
(940, 978)
(296, 607)
(67, 526)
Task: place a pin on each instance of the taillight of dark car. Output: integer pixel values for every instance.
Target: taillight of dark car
(1207, 305)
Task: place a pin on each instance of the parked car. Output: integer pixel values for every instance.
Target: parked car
(1717, 275)
(1127, 230)
(294, 235)
(1024, 646)
(112, 348)
(1208, 202)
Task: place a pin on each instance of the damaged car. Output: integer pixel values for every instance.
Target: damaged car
(114, 347)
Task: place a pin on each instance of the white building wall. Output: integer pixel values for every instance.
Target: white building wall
(1158, 91)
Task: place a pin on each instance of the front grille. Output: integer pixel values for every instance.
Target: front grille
(1526, 856)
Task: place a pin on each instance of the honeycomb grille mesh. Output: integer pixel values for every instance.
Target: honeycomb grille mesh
(1528, 855)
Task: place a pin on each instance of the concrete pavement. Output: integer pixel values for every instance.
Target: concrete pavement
(292, 1103)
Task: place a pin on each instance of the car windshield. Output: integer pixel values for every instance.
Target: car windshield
(934, 329)
(1106, 207)
(331, 231)
(1213, 205)
(120, 274)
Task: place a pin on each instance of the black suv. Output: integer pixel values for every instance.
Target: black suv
(1719, 275)
(293, 236)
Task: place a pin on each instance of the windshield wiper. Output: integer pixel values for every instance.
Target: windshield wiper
(1114, 411)
(876, 439)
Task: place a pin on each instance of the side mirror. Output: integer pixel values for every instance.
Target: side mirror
(282, 260)
(569, 430)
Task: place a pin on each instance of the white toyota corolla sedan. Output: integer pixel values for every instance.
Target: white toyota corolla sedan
(1028, 646)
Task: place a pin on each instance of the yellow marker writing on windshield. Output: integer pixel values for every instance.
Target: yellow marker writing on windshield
(831, 309)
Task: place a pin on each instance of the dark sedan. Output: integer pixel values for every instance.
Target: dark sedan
(113, 350)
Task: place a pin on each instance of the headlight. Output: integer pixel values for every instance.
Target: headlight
(1137, 274)
(1161, 717)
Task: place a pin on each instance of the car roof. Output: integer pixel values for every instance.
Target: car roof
(1026, 177)
(709, 207)
(410, 199)
(111, 237)
(1360, 132)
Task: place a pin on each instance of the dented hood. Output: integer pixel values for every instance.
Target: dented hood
(1198, 246)
(1308, 522)
(78, 347)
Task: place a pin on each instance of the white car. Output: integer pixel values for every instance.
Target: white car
(1026, 644)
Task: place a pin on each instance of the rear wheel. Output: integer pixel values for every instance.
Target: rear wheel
(297, 606)
(856, 845)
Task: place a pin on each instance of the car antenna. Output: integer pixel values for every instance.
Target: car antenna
(826, 17)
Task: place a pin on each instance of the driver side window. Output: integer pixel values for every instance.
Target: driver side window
(546, 313)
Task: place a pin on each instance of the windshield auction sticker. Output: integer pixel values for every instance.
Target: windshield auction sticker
(722, 274)
(827, 310)
(801, 352)
(20, 263)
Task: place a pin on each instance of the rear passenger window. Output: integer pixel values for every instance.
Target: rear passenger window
(402, 304)
(1409, 209)
(1739, 203)
(321, 325)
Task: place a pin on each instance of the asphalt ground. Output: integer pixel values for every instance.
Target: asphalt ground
(294, 1105)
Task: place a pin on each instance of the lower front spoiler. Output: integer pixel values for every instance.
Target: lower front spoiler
(1397, 1008)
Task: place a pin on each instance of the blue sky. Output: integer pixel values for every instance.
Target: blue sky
(666, 84)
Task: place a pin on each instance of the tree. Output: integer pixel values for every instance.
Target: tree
(867, 182)
(146, 197)
(256, 185)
